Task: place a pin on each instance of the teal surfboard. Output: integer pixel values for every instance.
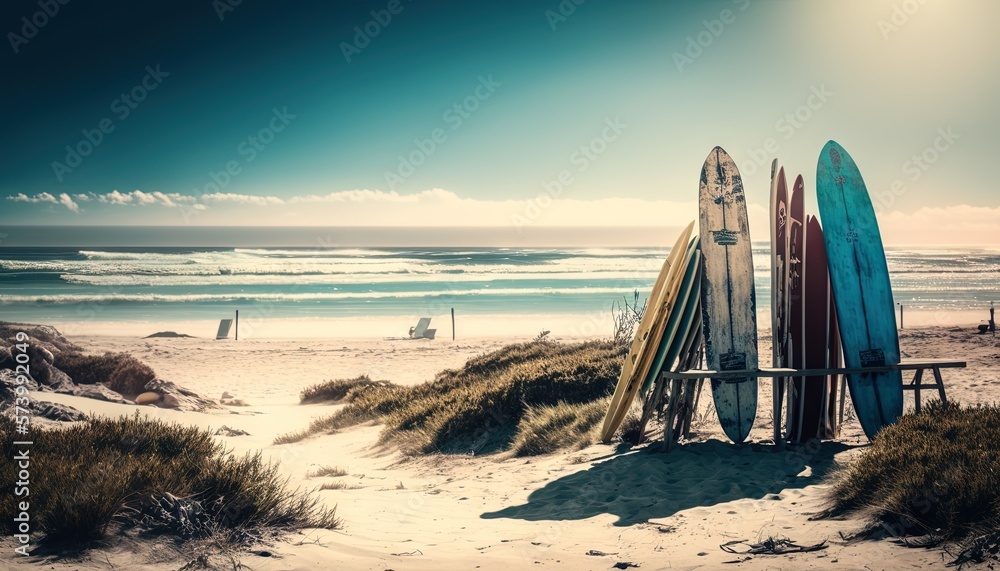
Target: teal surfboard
(861, 289)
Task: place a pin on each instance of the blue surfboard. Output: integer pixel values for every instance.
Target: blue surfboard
(861, 289)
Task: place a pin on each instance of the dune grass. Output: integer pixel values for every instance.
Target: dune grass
(936, 473)
(546, 429)
(339, 390)
(119, 372)
(103, 476)
(327, 471)
(479, 407)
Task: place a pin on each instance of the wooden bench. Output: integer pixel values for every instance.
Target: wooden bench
(916, 365)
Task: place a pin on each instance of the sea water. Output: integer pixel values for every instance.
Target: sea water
(159, 284)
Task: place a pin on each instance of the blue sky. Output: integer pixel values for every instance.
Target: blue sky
(317, 124)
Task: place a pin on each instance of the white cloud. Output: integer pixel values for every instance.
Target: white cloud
(220, 197)
(366, 195)
(140, 198)
(958, 224)
(44, 197)
(66, 201)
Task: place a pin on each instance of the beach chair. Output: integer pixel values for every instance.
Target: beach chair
(224, 327)
(420, 331)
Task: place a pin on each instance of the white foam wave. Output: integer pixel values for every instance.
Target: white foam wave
(68, 299)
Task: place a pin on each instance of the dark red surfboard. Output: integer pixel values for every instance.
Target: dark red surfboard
(794, 350)
(816, 397)
(779, 269)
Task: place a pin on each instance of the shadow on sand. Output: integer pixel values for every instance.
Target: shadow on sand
(639, 486)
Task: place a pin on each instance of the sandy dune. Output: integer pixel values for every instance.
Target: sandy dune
(586, 509)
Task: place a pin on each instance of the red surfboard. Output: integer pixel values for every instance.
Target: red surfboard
(779, 268)
(794, 309)
(817, 396)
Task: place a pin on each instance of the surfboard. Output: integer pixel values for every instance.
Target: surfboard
(679, 322)
(729, 305)
(779, 284)
(651, 322)
(794, 307)
(821, 342)
(861, 289)
(779, 265)
(675, 334)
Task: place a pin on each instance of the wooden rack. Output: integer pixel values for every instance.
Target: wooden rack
(916, 365)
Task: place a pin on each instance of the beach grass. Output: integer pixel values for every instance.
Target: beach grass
(119, 372)
(479, 407)
(547, 429)
(105, 476)
(327, 472)
(338, 390)
(933, 473)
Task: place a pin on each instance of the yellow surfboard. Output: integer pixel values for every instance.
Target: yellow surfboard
(647, 335)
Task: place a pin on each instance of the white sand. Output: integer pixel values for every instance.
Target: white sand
(660, 511)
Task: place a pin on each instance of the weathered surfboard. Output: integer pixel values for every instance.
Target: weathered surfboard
(821, 342)
(679, 322)
(779, 284)
(779, 263)
(794, 307)
(647, 336)
(861, 288)
(675, 336)
(729, 305)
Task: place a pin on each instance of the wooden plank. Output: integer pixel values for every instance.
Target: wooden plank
(916, 386)
(940, 384)
(928, 363)
(784, 372)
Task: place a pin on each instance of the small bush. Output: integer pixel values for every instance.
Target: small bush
(480, 406)
(339, 390)
(107, 473)
(338, 486)
(934, 472)
(631, 428)
(546, 429)
(327, 471)
(119, 372)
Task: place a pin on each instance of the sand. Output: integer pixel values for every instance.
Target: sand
(586, 509)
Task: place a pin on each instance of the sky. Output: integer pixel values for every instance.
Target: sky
(507, 114)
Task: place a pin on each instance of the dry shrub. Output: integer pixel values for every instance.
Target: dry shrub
(478, 407)
(102, 475)
(934, 472)
(339, 390)
(546, 429)
(119, 372)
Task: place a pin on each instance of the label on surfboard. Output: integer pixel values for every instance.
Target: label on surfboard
(733, 362)
(872, 358)
(726, 237)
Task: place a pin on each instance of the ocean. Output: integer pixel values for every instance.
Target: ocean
(163, 285)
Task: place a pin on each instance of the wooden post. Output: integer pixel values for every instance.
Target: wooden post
(237, 325)
(453, 324)
(918, 377)
(993, 325)
(901, 316)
